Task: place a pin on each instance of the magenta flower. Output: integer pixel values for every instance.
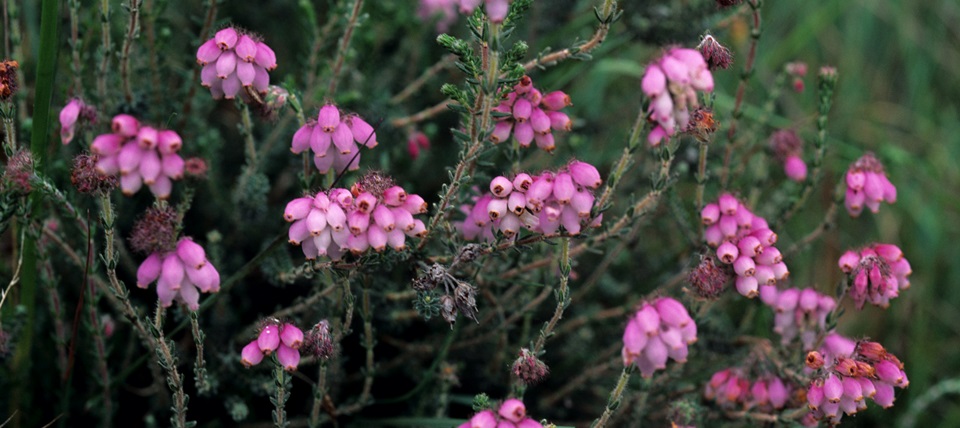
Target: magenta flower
(69, 117)
(234, 62)
(541, 204)
(876, 273)
(732, 389)
(335, 139)
(788, 148)
(511, 414)
(743, 241)
(496, 9)
(531, 116)
(800, 313)
(656, 332)
(181, 274)
(282, 339)
(335, 221)
(141, 154)
(444, 11)
(867, 184)
(846, 373)
(672, 83)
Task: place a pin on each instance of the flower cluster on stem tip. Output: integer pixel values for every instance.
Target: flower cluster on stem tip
(731, 388)
(798, 313)
(141, 154)
(867, 184)
(877, 273)
(530, 115)
(345, 132)
(511, 414)
(671, 83)
(70, 117)
(540, 203)
(180, 275)
(233, 61)
(846, 373)
(528, 368)
(283, 338)
(744, 241)
(496, 9)
(716, 55)
(658, 331)
(788, 148)
(341, 220)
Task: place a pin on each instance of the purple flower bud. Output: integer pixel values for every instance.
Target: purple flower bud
(291, 336)
(501, 187)
(585, 175)
(648, 319)
(288, 357)
(149, 270)
(106, 144)
(208, 52)
(795, 168)
(884, 394)
(269, 339)
(672, 312)
(513, 410)
(727, 252)
(556, 100)
(710, 214)
(125, 125)
(297, 209)
(191, 253)
(251, 355)
(832, 388)
(563, 188)
(172, 271)
(747, 286)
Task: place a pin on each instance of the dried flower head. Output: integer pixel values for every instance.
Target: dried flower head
(156, 231)
(529, 368)
(86, 179)
(319, 341)
(195, 168)
(702, 124)
(716, 55)
(465, 296)
(708, 279)
(8, 79)
(18, 175)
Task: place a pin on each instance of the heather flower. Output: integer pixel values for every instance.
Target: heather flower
(797, 70)
(445, 11)
(716, 55)
(335, 139)
(375, 215)
(744, 242)
(541, 204)
(235, 62)
(415, 142)
(732, 389)
(847, 373)
(275, 338)
(867, 184)
(8, 79)
(510, 414)
(798, 312)
(68, 119)
(195, 168)
(141, 154)
(86, 179)
(319, 341)
(496, 9)
(876, 274)
(658, 331)
(672, 83)
(529, 116)
(528, 368)
(18, 176)
(788, 148)
(181, 274)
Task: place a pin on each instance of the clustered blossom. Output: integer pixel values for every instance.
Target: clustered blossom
(732, 389)
(540, 203)
(530, 115)
(798, 313)
(141, 154)
(345, 132)
(849, 372)
(657, 331)
(339, 220)
(444, 10)
(496, 9)
(283, 338)
(877, 274)
(319, 341)
(671, 84)
(797, 70)
(716, 55)
(528, 368)
(744, 241)
(867, 184)
(511, 414)
(233, 61)
(71, 114)
(181, 274)
(788, 148)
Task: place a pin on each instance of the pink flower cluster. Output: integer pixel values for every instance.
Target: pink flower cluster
(671, 83)
(878, 273)
(532, 116)
(744, 241)
(181, 274)
(334, 221)
(731, 389)
(847, 373)
(283, 338)
(798, 313)
(511, 414)
(496, 9)
(656, 332)
(540, 203)
(232, 61)
(867, 184)
(345, 132)
(141, 154)
(788, 147)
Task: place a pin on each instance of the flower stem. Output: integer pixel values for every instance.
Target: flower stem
(283, 384)
(133, 30)
(615, 396)
(563, 296)
(344, 46)
(741, 88)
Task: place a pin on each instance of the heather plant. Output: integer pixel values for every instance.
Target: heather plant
(344, 225)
